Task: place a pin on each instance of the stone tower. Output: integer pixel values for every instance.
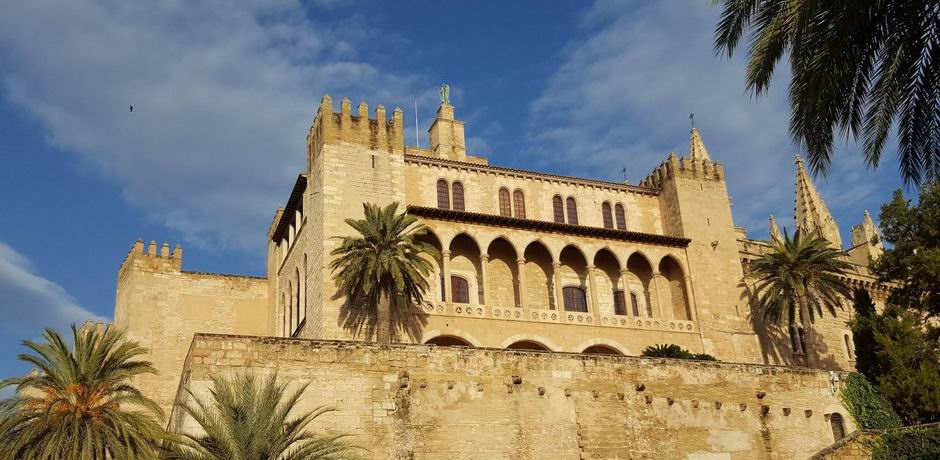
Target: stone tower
(866, 242)
(695, 204)
(811, 211)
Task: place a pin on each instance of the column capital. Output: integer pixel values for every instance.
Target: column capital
(657, 275)
(445, 253)
(624, 271)
(520, 261)
(556, 264)
(590, 267)
(484, 257)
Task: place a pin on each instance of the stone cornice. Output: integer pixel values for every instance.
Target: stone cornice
(544, 226)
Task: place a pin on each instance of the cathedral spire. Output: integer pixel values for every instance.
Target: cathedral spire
(697, 150)
(774, 229)
(811, 210)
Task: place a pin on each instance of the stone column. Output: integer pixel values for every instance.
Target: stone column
(484, 278)
(659, 310)
(556, 281)
(689, 299)
(445, 257)
(520, 266)
(592, 291)
(627, 304)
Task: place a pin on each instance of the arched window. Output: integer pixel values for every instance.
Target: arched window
(572, 209)
(848, 347)
(283, 311)
(608, 219)
(518, 202)
(443, 195)
(504, 207)
(620, 307)
(290, 310)
(458, 196)
(459, 289)
(621, 217)
(558, 209)
(303, 291)
(635, 304)
(838, 426)
(574, 299)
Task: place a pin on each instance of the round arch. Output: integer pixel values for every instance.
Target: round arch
(551, 346)
(460, 335)
(603, 343)
(528, 345)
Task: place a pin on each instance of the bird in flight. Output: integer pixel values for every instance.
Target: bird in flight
(132, 108)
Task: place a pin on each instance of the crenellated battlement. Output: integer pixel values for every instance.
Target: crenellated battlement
(686, 167)
(153, 258)
(378, 133)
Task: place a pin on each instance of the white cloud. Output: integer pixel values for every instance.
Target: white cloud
(622, 96)
(223, 95)
(29, 302)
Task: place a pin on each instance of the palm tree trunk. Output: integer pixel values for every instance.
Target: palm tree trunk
(807, 332)
(384, 321)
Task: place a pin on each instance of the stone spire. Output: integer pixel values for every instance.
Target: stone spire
(811, 210)
(697, 150)
(774, 229)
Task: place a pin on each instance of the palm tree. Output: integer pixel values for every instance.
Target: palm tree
(859, 66)
(79, 404)
(383, 265)
(797, 278)
(249, 420)
(666, 351)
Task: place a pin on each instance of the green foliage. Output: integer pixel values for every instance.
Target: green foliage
(858, 68)
(913, 263)
(79, 404)
(676, 352)
(869, 409)
(803, 272)
(383, 264)
(250, 420)
(863, 336)
(915, 443)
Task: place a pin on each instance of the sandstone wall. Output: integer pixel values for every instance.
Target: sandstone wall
(162, 307)
(412, 401)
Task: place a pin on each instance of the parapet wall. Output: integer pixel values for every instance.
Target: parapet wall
(162, 307)
(414, 401)
(684, 167)
(374, 133)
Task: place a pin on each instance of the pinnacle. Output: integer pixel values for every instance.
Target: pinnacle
(697, 150)
(811, 210)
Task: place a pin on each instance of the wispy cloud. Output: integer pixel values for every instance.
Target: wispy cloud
(623, 94)
(29, 302)
(223, 95)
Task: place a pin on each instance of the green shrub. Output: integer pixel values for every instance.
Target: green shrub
(676, 352)
(908, 443)
(867, 406)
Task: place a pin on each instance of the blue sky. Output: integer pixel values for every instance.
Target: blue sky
(224, 91)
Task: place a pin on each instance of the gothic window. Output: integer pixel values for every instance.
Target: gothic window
(459, 289)
(635, 304)
(458, 196)
(619, 305)
(296, 304)
(558, 209)
(572, 211)
(504, 208)
(621, 218)
(518, 202)
(574, 299)
(303, 279)
(838, 426)
(443, 195)
(290, 310)
(608, 219)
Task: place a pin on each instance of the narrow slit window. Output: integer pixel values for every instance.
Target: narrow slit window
(635, 304)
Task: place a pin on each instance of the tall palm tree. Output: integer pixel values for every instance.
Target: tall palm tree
(79, 404)
(250, 420)
(858, 66)
(797, 278)
(383, 265)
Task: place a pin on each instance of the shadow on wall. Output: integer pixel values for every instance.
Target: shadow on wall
(776, 342)
(360, 321)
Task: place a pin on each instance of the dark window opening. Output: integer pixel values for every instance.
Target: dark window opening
(443, 195)
(620, 307)
(458, 196)
(504, 209)
(635, 304)
(838, 426)
(621, 217)
(459, 289)
(608, 219)
(574, 299)
(572, 211)
(518, 200)
(558, 210)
